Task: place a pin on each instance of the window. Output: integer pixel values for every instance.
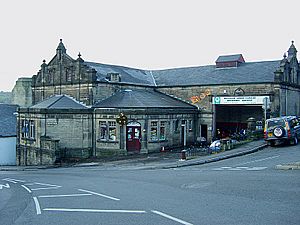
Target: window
(112, 130)
(69, 74)
(103, 130)
(31, 129)
(153, 131)
(158, 130)
(162, 130)
(28, 129)
(190, 125)
(108, 131)
(25, 129)
(176, 123)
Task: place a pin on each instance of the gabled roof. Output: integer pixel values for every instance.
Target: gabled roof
(128, 75)
(251, 72)
(8, 121)
(230, 58)
(142, 99)
(59, 102)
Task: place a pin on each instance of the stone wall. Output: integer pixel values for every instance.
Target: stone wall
(81, 92)
(22, 93)
(73, 132)
(200, 95)
(172, 140)
(289, 101)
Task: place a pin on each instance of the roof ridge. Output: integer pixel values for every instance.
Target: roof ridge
(60, 97)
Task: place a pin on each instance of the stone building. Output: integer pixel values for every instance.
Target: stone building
(55, 128)
(226, 93)
(22, 92)
(152, 121)
(231, 87)
(130, 121)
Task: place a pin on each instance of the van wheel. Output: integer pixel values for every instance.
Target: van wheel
(272, 143)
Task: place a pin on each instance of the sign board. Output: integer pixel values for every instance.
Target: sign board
(239, 100)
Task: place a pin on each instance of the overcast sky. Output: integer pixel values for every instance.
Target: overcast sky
(145, 34)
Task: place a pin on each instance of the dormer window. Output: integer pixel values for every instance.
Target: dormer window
(114, 77)
(227, 61)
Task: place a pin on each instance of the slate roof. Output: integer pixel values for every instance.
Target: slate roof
(8, 121)
(229, 58)
(59, 102)
(142, 99)
(128, 75)
(249, 72)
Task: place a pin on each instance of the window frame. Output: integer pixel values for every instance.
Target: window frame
(28, 129)
(158, 130)
(107, 131)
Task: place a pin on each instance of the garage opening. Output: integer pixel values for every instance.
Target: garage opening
(231, 119)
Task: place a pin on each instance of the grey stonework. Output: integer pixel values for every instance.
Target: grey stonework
(22, 93)
(59, 134)
(76, 133)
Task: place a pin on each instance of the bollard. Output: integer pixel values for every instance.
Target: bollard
(229, 144)
(224, 145)
(162, 149)
(183, 155)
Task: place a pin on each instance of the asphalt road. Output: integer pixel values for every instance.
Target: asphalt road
(241, 190)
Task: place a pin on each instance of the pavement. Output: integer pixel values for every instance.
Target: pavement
(289, 166)
(162, 160)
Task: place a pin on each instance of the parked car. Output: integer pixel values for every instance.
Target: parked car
(285, 129)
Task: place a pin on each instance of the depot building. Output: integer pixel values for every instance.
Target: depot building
(218, 99)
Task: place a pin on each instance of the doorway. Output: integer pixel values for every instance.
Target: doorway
(203, 131)
(183, 135)
(133, 137)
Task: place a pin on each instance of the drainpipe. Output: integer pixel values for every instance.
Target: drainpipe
(18, 138)
(93, 133)
(286, 108)
(214, 116)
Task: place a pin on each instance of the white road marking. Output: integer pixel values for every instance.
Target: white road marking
(240, 168)
(95, 210)
(10, 181)
(46, 188)
(102, 195)
(26, 188)
(226, 167)
(257, 168)
(234, 169)
(13, 180)
(4, 185)
(57, 196)
(37, 206)
(171, 217)
(51, 185)
(259, 160)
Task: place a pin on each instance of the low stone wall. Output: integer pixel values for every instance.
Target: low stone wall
(30, 156)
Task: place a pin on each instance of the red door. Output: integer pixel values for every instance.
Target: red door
(133, 138)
